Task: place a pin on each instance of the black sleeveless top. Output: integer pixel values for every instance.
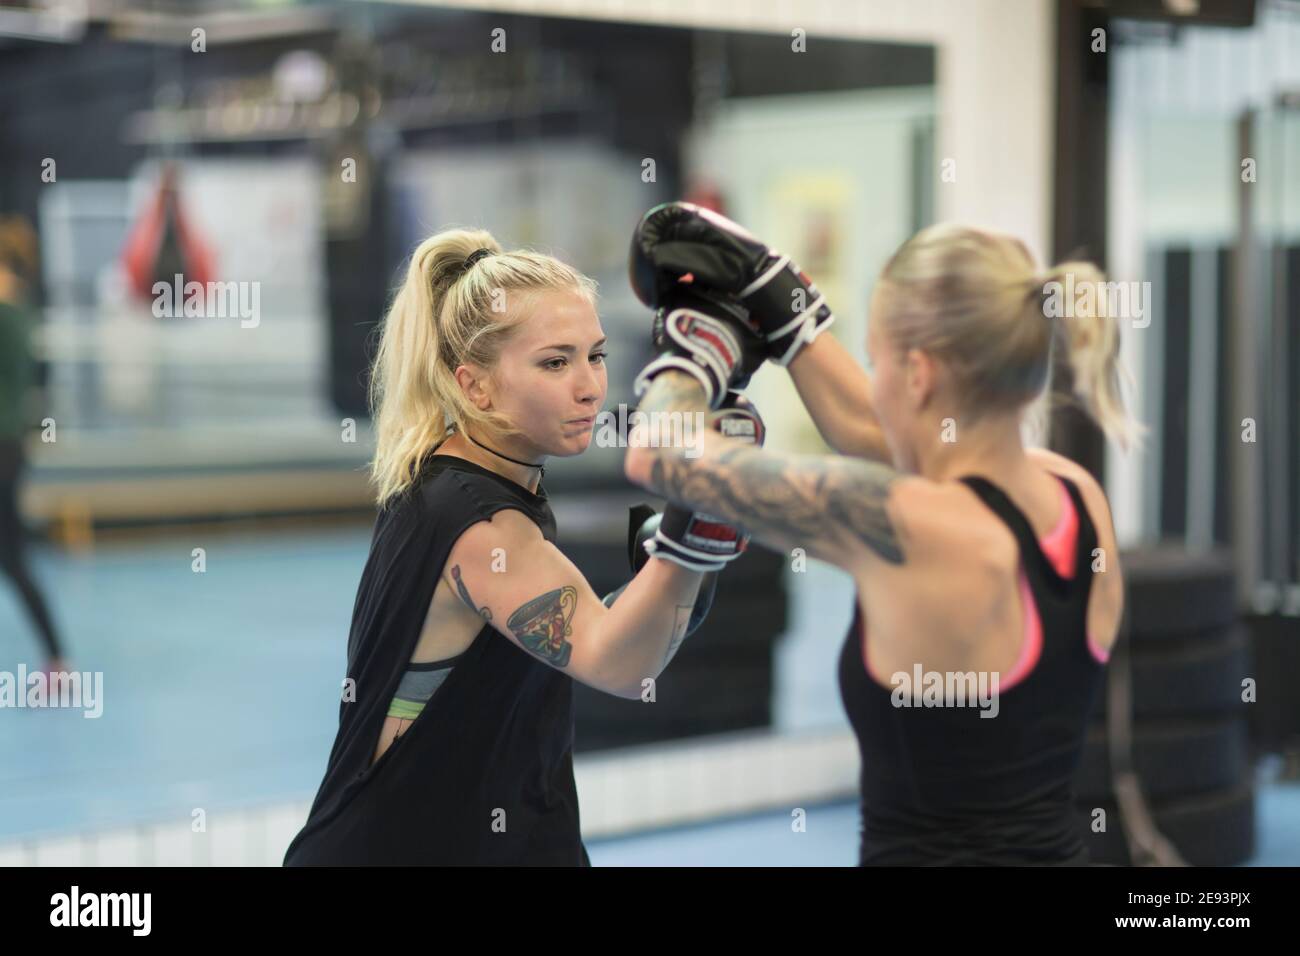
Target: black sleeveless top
(945, 786)
(484, 775)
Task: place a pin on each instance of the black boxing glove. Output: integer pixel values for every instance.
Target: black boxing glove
(643, 520)
(643, 524)
(679, 238)
(700, 541)
(706, 336)
(688, 533)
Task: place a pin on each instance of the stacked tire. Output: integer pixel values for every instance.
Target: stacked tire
(1189, 654)
(720, 680)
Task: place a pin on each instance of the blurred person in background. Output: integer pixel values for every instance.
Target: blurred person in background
(18, 268)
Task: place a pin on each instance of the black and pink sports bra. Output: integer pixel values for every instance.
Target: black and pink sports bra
(943, 785)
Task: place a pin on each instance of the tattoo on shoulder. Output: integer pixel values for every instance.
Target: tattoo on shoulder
(484, 612)
(544, 624)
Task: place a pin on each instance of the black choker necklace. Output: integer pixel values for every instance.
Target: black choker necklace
(526, 464)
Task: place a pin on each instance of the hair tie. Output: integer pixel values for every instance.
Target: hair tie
(475, 256)
(468, 264)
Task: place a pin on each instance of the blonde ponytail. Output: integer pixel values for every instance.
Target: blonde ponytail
(445, 315)
(977, 300)
(1089, 335)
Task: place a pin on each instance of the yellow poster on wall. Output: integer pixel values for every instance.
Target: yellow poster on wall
(807, 217)
(809, 223)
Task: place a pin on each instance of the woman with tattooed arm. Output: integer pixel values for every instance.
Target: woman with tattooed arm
(988, 586)
(455, 735)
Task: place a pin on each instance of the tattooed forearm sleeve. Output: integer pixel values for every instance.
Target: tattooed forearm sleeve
(822, 504)
(826, 505)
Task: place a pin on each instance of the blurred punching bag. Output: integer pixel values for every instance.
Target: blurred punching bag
(163, 244)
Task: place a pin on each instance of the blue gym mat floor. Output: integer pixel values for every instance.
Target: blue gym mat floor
(221, 689)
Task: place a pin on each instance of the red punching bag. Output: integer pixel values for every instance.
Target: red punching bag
(163, 244)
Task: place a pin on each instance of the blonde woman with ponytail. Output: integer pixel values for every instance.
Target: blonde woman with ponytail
(988, 584)
(455, 739)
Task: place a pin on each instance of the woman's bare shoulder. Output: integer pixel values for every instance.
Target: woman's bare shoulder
(1058, 463)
